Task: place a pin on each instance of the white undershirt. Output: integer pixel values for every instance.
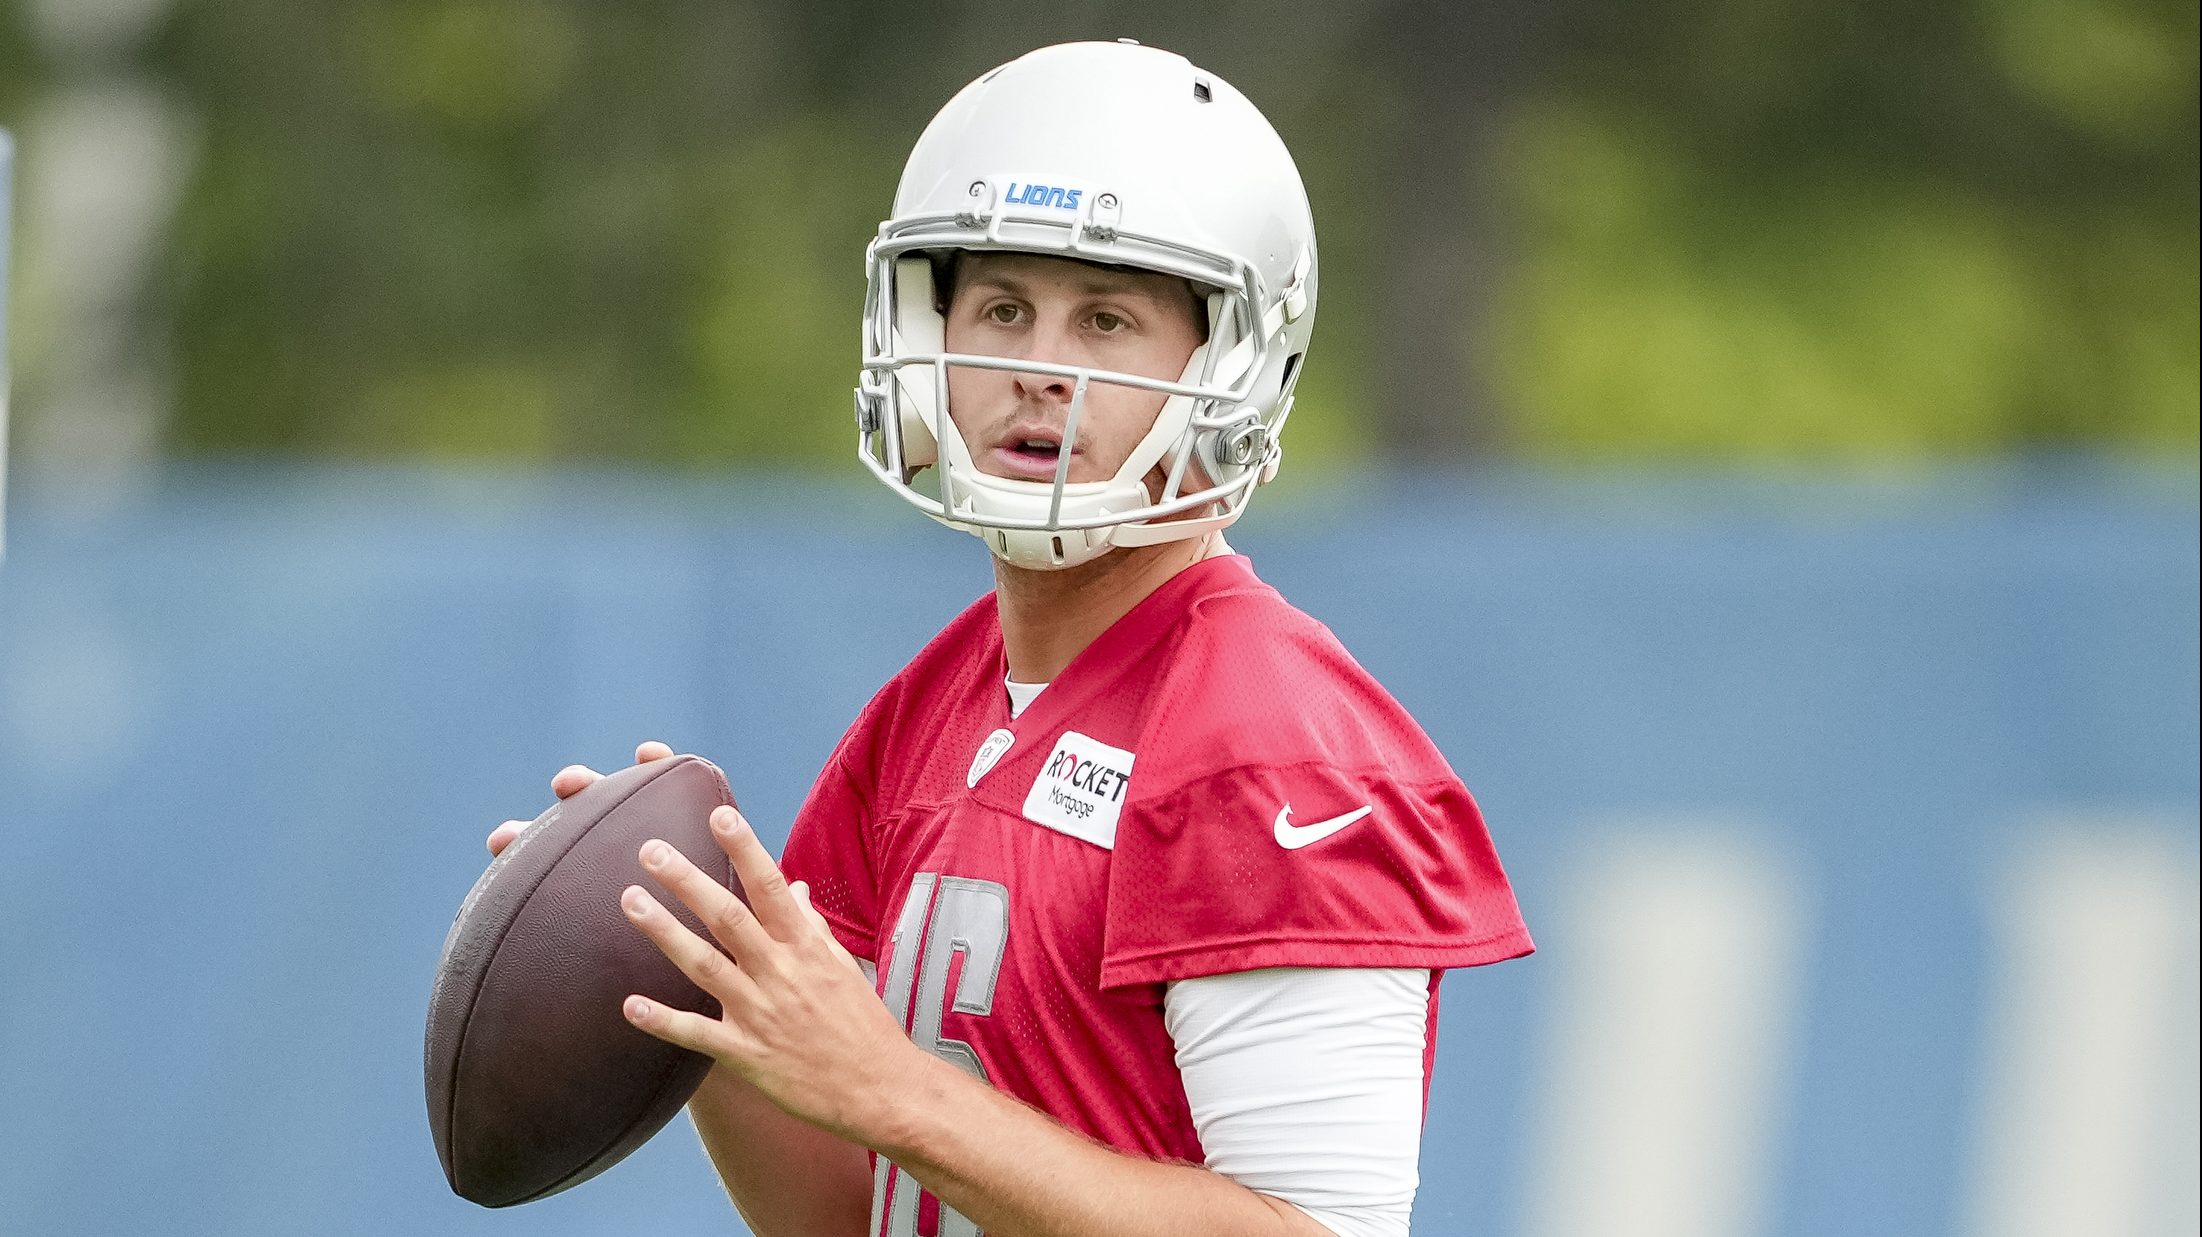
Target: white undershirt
(1021, 695)
(1305, 1083)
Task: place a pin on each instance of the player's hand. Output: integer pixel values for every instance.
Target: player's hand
(567, 783)
(799, 1020)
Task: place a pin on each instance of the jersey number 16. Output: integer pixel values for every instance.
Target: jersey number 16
(946, 953)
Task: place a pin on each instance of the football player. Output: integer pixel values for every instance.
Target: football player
(1122, 908)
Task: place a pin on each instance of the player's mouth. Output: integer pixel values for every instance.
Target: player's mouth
(1030, 453)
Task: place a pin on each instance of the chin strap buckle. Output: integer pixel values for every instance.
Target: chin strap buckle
(1242, 444)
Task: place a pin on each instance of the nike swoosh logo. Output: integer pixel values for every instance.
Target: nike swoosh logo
(1293, 837)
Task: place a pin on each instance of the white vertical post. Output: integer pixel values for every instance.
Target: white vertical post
(2088, 1119)
(1679, 950)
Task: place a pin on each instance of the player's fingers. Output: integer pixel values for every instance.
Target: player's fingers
(697, 958)
(709, 1036)
(762, 881)
(715, 904)
(573, 779)
(800, 891)
(651, 750)
(502, 835)
(822, 931)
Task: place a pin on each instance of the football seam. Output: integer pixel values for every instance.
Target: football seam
(473, 998)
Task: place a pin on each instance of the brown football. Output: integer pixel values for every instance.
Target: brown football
(536, 1083)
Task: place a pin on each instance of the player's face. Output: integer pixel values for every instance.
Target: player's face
(1031, 307)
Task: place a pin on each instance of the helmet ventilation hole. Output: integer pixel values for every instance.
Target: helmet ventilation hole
(1057, 542)
(1201, 91)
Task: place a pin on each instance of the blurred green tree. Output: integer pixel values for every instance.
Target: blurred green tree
(558, 230)
(1774, 228)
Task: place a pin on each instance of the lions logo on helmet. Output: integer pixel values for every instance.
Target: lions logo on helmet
(1178, 174)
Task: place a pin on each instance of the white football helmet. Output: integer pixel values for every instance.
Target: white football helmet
(1103, 152)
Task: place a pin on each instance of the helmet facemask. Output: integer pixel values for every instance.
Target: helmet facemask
(1209, 439)
(1179, 175)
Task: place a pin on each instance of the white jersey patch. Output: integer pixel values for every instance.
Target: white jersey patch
(990, 754)
(1081, 789)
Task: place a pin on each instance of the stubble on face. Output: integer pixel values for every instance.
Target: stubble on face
(1071, 313)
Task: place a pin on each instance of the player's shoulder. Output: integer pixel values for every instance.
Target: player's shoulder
(972, 639)
(1250, 610)
(1246, 644)
(965, 651)
(1256, 681)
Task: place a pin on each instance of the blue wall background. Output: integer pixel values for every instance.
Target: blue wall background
(255, 723)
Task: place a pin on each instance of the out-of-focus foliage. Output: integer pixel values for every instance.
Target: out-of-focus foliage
(539, 229)
(494, 227)
(1772, 227)
(18, 68)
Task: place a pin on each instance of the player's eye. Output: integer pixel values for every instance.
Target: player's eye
(1002, 312)
(1108, 323)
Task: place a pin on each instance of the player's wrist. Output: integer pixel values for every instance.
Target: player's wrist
(921, 1100)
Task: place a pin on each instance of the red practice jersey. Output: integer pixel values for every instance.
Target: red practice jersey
(1213, 785)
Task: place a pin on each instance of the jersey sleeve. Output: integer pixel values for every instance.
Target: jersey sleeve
(1297, 817)
(830, 844)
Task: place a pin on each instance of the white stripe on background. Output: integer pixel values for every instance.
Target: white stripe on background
(2088, 1120)
(1678, 952)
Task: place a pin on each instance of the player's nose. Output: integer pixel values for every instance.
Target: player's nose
(1043, 388)
(1052, 341)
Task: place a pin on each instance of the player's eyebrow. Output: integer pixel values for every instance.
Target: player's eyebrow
(1096, 284)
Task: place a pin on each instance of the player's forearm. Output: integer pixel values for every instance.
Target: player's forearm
(1014, 1172)
(787, 1177)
